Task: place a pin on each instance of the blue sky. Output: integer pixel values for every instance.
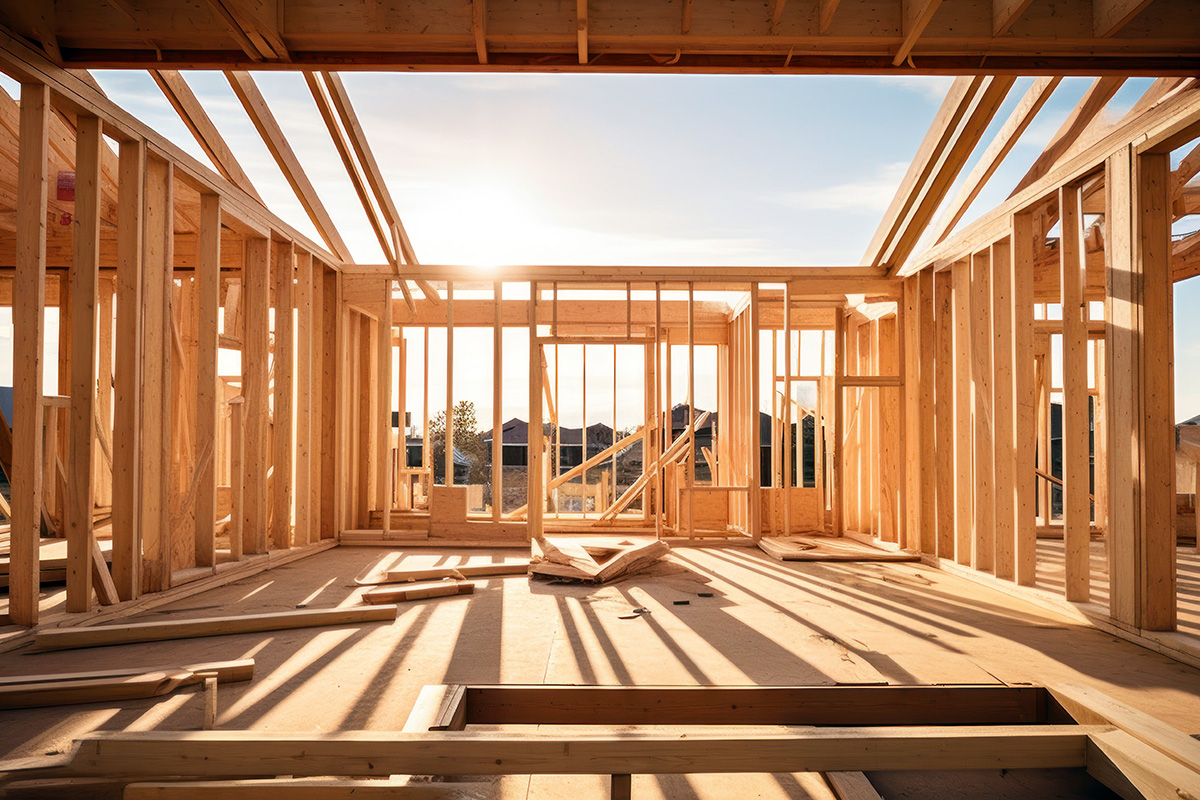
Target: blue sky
(611, 169)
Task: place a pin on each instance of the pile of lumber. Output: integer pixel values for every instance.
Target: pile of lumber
(564, 559)
(131, 683)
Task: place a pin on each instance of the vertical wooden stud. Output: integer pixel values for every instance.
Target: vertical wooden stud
(126, 502)
(29, 283)
(964, 518)
(1026, 245)
(1004, 411)
(304, 531)
(1076, 504)
(256, 302)
(944, 420)
(284, 274)
(983, 552)
(208, 291)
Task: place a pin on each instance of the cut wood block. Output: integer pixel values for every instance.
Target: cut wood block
(851, 786)
(421, 592)
(461, 573)
(104, 635)
(226, 672)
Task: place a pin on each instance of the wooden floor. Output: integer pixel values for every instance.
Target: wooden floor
(768, 623)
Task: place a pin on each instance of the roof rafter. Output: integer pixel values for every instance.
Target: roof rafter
(1188, 168)
(1109, 16)
(917, 14)
(402, 248)
(272, 135)
(254, 35)
(961, 121)
(1005, 13)
(1006, 138)
(826, 11)
(581, 29)
(479, 28)
(192, 112)
(1092, 103)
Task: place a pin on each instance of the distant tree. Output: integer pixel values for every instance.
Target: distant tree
(467, 440)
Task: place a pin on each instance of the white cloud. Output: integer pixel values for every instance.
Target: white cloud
(505, 82)
(930, 87)
(869, 195)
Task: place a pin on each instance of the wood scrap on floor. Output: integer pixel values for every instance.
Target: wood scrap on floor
(566, 560)
(827, 548)
(458, 573)
(103, 635)
(397, 594)
(108, 686)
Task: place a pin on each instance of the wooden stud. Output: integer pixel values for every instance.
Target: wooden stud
(29, 283)
(156, 375)
(208, 290)
(255, 337)
(383, 405)
(284, 275)
(963, 428)
(755, 493)
(1004, 410)
(928, 476)
(126, 503)
(535, 495)
(84, 274)
(1026, 246)
(944, 418)
(497, 403)
(983, 552)
(449, 454)
(1075, 455)
(839, 433)
(306, 511)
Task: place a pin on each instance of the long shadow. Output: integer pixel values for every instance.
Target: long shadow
(749, 650)
(478, 646)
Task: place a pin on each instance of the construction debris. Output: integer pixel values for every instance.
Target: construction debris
(388, 594)
(571, 561)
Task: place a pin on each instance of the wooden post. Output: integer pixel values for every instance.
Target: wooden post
(101, 470)
(156, 375)
(208, 290)
(535, 499)
(126, 502)
(788, 478)
(1004, 410)
(284, 273)
(255, 303)
(928, 477)
(839, 404)
(85, 271)
(237, 476)
(1025, 248)
(983, 554)
(1139, 366)
(910, 420)
(29, 283)
(964, 518)
(383, 402)
(691, 462)
(304, 530)
(1076, 503)
(497, 402)
(449, 454)
(947, 443)
(755, 492)
(328, 284)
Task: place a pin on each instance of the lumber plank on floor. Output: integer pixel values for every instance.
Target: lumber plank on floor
(104, 635)
(226, 672)
(400, 594)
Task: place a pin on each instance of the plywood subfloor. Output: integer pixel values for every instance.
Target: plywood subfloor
(768, 623)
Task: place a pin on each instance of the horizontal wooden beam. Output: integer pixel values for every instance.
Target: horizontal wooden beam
(234, 754)
(754, 705)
